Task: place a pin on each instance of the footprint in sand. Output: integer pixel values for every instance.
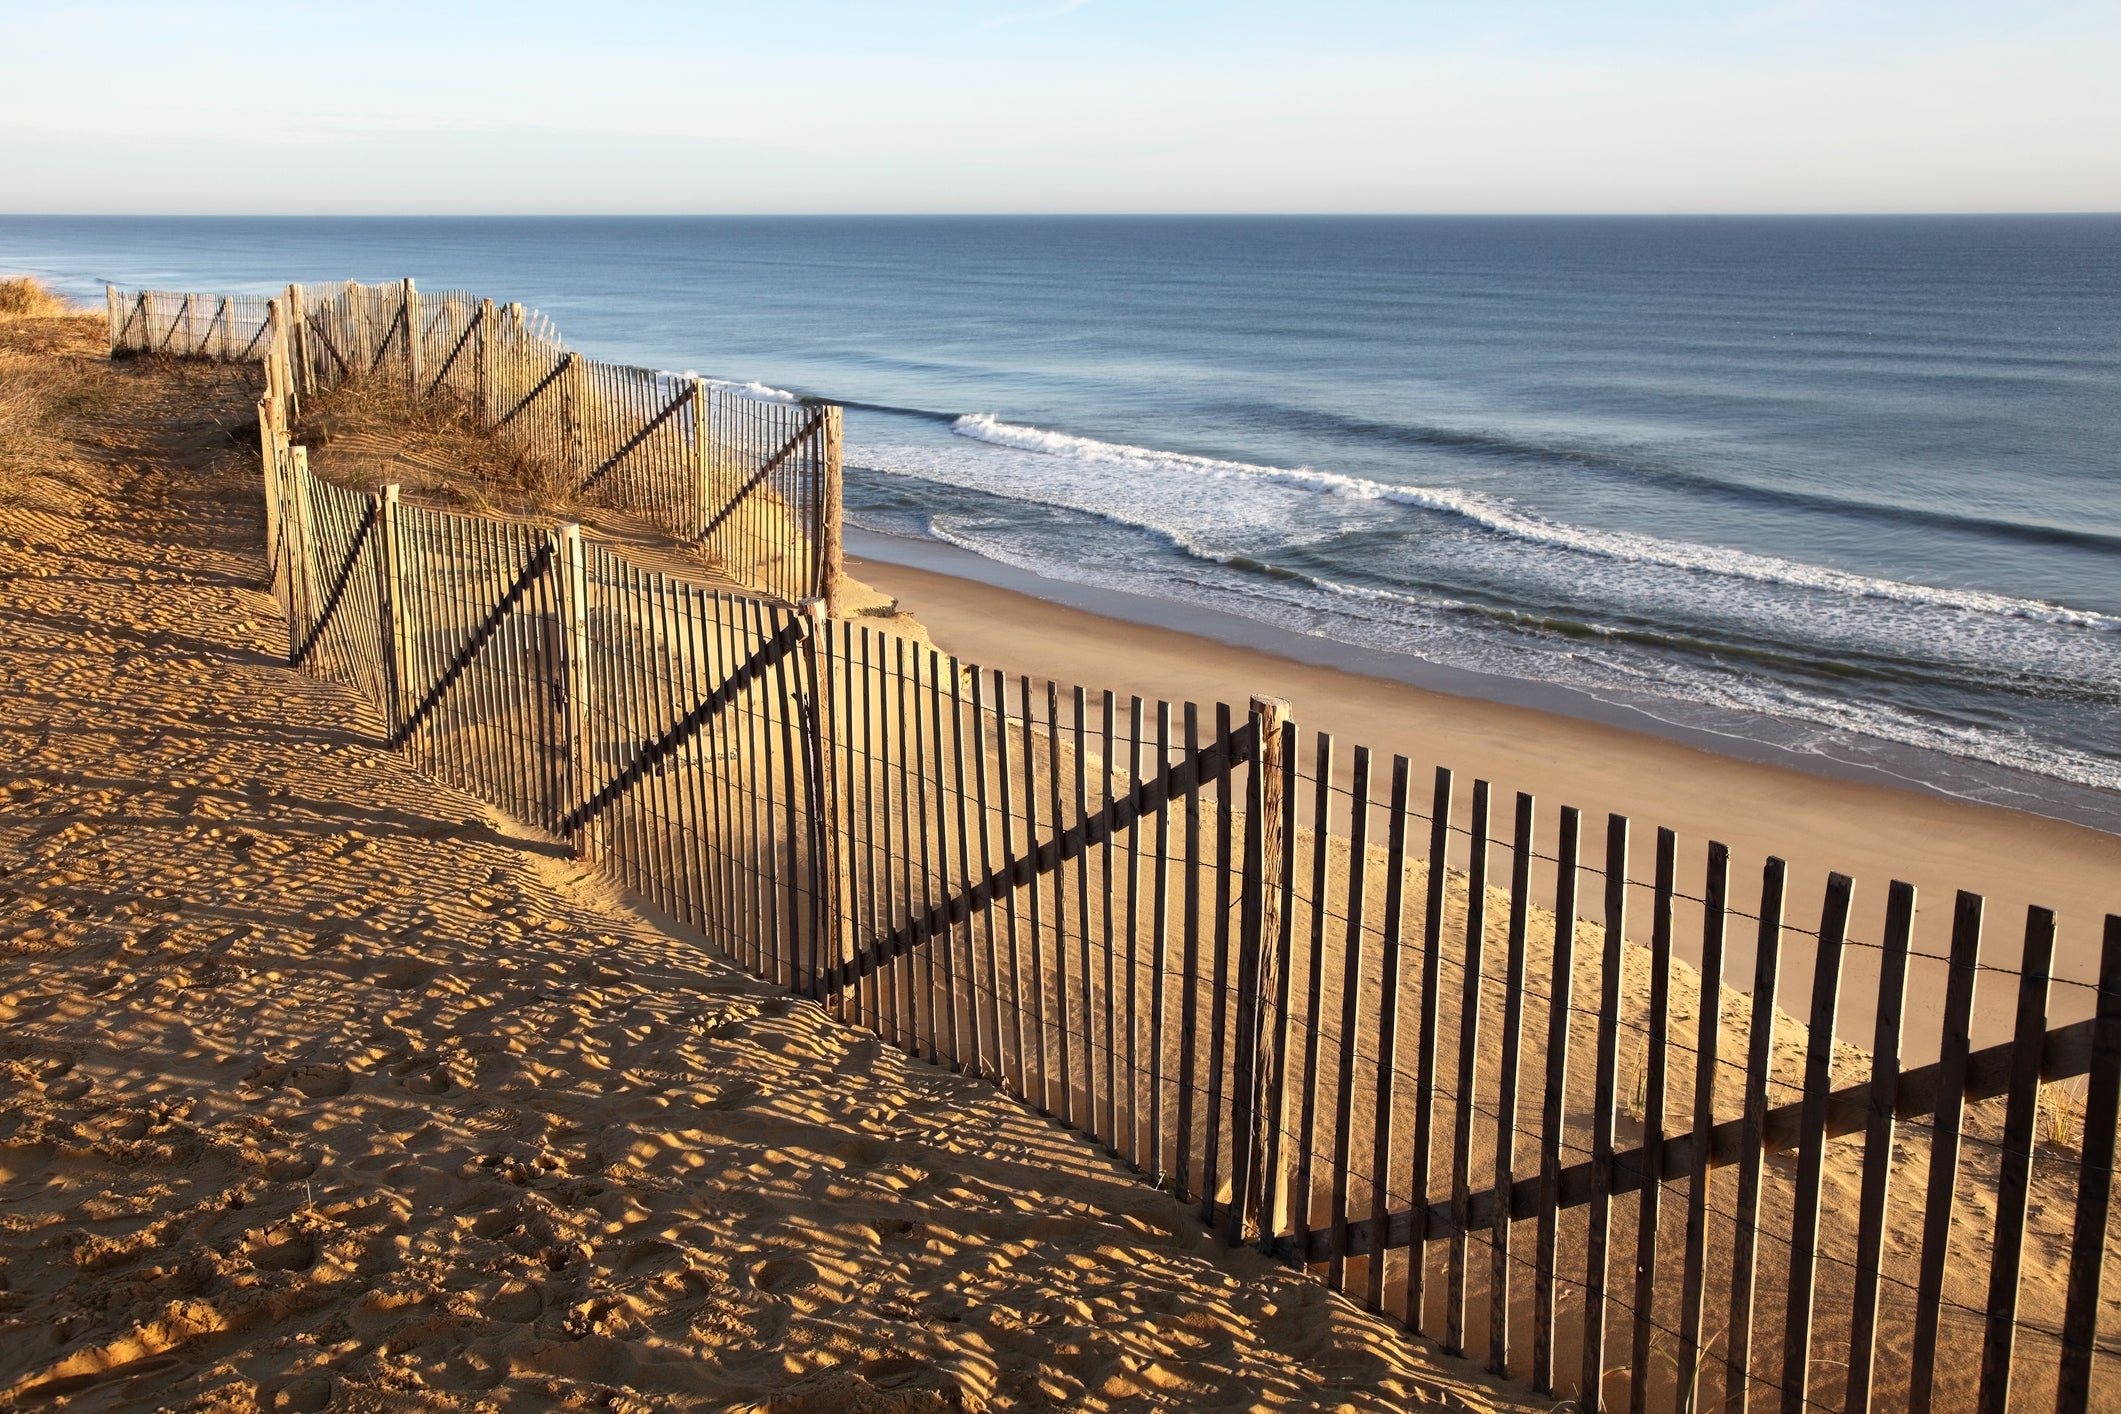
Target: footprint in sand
(786, 1276)
(517, 1302)
(281, 1251)
(322, 1082)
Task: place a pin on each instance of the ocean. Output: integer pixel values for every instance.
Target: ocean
(1845, 490)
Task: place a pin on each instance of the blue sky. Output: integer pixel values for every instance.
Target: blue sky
(1048, 105)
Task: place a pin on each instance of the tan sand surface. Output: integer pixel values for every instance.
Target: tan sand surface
(325, 1088)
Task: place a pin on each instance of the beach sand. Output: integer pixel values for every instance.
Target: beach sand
(331, 1088)
(325, 1087)
(1874, 832)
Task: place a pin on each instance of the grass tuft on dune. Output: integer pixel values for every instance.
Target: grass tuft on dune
(24, 298)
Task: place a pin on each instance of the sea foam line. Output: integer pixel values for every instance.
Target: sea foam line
(1505, 517)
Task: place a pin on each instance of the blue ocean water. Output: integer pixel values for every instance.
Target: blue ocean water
(1850, 486)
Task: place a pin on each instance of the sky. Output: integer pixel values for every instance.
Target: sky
(1061, 106)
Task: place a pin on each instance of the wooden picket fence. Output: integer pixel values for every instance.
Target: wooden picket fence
(1401, 1034)
(753, 482)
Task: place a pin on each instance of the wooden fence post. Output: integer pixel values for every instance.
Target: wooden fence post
(1267, 1098)
(275, 341)
(571, 565)
(409, 311)
(110, 304)
(480, 375)
(296, 349)
(390, 606)
(830, 552)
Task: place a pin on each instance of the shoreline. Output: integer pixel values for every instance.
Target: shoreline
(2065, 801)
(1854, 821)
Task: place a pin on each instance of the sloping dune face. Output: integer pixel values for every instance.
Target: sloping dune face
(325, 1088)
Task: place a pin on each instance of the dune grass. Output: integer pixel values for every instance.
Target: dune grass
(24, 298)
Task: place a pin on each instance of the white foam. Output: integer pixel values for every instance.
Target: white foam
(761, 391)
(1506, 517)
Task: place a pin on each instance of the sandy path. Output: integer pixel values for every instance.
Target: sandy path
(324, 1088)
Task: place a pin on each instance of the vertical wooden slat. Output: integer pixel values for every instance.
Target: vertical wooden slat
(1468, 1073)
(1277, 933)
(885, 912)
(2014, 1184)
(1350, 1013)
(1219, 974)
(1086, 1118)
(943, 946)
(1760, 1060)
(1250, 1046)
(1499, 1272)
(990, 1049)
(1707, 1038)
(1554, 1112)
(2095, 1184)
(1159, 955)
(1108, 1012)
(1189, 973)
(922, 960)
(1801, 1293)
(1064, 1054)
(1878, 1145)
(1036, 924)
(1425, 1048)
(1314, 988)
(789, 931)
(1941, 1193)
(1592, 1393)
(1133, 1002)
(1387, 1032)
(1024, 1089)
(1655, 1060)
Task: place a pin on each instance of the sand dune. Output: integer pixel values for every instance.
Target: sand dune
(326, 1088)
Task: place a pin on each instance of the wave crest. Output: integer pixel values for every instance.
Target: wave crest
(1502, 516)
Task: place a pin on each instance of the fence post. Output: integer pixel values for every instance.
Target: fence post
(390, 604)
(831, 553)
(570, 564)
(296, 348)
(110, 304)
(409, 311)
(1260, 1023)
(479, 363)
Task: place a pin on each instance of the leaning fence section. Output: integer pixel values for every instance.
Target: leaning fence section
(1562, 1095)
(750, 482)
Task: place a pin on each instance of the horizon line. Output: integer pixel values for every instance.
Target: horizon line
(1033, 215)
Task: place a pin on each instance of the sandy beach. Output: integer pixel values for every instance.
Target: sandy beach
(334, 1088)
(1875, 833)
(328, 1088)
